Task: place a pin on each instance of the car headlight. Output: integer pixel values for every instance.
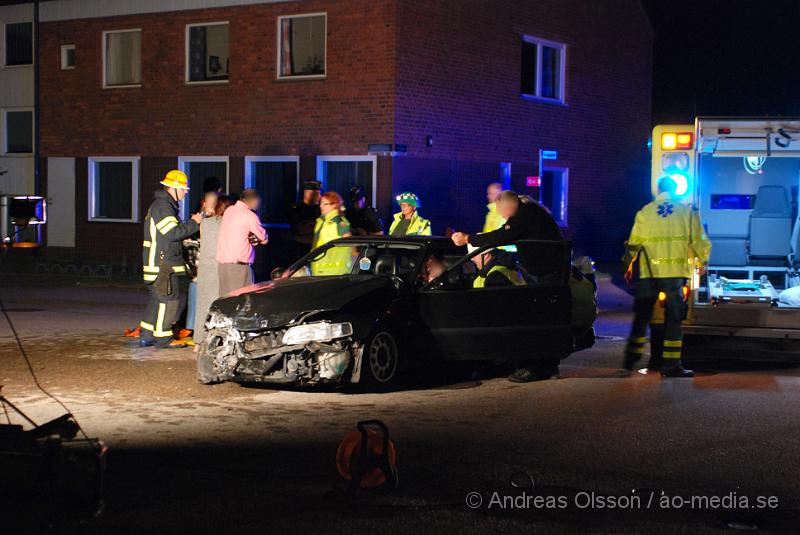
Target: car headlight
(316, 332)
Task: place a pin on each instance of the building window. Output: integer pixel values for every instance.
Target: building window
(542, 69)
(554, 192)
(277, 179)
(19, 132)
(301, 45)
(341, 173)
(114, 190)
(19, 43)
(122, 58)
(67, 57)
(207, 52)
(200, 169)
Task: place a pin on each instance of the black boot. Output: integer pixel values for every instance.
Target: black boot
(676, 371)
(629, 363)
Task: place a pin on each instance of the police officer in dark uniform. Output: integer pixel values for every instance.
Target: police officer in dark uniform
(302, 217)
(364, 220)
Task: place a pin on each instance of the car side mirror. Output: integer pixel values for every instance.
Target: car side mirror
(277, 273)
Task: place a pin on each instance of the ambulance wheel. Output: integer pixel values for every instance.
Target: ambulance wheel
(381, 366)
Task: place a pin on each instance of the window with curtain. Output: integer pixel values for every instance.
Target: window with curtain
(208, 52)
(19, 43)
(342, 176)
(198, 172)
(113, 190)
(302, 45)
(123, 57)
(277, 184)
(542, 69)
(19, 132)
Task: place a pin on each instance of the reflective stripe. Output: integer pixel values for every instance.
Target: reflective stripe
(166, 228)
(663, 261)
(639, 340)
(151, 259)
(633, 240)
(672, 354)
(637, 350)
(149, 278)
(179, 269)
(159, 331)
(150, 269)
(145, 325)
(166, 221)
(673, 343)
(146, 243)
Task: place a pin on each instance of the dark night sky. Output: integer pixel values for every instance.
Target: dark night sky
(725, 57)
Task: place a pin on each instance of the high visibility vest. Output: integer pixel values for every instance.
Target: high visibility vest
(511, 274)
(493, 220)
(667, 236)
(417, 227)
(338, 260)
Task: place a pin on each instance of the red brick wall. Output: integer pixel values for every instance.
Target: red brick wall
(459, 80)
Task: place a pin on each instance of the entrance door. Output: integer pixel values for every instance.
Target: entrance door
(61, 202)
(341, 173)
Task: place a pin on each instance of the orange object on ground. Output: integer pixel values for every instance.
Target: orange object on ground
(177, 343)
(133, 333)
(184, 333)
(349, 455)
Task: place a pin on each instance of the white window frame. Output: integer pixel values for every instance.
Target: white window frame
(64, 49)
(248, 176)
(183, 160)
(186, 53)
(278, 48)
(105, 59)
(565, 173)
(365, 158)
(4, 129)
(5, 50)
(562, 48)
(135, 185)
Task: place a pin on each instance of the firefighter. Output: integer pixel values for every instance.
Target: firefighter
(163, 261)
(495, 268)
(493, 220)
(408, 221)
(666, 238)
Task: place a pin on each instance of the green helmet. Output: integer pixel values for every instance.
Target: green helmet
(408, 198)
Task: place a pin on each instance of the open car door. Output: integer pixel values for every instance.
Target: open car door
(517, 322)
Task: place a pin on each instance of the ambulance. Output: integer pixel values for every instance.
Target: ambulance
(743, 176)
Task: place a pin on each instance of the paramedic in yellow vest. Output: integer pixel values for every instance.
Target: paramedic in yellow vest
(495, 268)
(493, 220)
(162, 261)
(331, 225)
(408, 222)
(666, 239)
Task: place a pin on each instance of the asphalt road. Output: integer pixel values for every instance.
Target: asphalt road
(228, 459)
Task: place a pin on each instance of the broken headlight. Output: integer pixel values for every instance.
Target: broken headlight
(316, 332)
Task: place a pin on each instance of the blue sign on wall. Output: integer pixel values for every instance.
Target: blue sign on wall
(549, 155)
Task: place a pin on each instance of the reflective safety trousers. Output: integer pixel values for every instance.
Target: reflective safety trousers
(667, 236)
(419, 226)
(512, 275)
(338, 260)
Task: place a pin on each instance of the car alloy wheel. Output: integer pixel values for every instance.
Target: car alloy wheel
(383, 358)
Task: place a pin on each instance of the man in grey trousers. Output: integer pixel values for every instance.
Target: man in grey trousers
(239, 231)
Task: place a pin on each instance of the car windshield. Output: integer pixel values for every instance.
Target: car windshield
(400, 259)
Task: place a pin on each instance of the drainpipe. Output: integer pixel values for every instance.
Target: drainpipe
(37, 166)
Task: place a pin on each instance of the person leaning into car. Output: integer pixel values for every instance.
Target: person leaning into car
(525, 220)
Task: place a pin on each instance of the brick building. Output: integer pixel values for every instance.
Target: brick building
(460, 93)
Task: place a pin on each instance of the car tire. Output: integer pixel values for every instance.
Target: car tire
(206, 372)
(381, 364)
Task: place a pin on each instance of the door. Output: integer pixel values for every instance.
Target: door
(465, 323)
(61, 202)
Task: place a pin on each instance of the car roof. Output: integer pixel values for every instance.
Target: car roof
(422, 240)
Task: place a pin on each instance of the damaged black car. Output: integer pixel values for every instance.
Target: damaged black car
(366, 310)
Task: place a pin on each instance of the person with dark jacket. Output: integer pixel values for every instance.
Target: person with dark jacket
(364, 220)
(162, 260)
(302, 218)
(525, 220)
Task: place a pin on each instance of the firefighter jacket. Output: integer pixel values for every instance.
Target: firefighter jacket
(667, 236)
(163, 234)
(418, 226)
(338, 260)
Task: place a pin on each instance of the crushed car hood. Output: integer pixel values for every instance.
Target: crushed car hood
(276, 303)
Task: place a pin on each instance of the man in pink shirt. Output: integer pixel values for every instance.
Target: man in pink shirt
(239, 231)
